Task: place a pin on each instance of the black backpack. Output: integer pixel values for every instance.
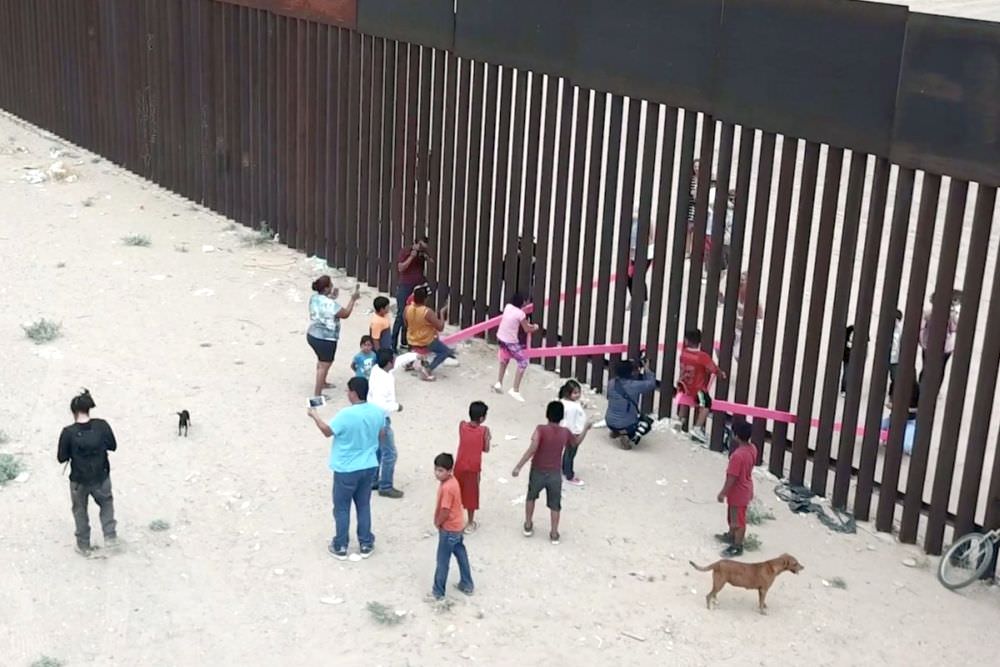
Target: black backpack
(89, 452)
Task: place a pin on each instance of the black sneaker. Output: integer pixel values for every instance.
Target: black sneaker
(725, 538)
(467, 591)
(339, 554)
(732, 551)
(84, 550)
(391, 493)
(367, 550)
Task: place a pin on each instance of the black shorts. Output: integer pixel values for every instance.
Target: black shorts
(325, 350)
(551, 481)
(704, 400)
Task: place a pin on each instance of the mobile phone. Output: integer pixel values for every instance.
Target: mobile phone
(317, 401)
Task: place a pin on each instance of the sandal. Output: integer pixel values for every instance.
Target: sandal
(554, 538)
(471, 528)
(528, 529)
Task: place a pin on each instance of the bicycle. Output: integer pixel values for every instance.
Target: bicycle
(968, 559)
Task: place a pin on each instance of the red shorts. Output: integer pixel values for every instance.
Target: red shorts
(468, 484)
(737, 516)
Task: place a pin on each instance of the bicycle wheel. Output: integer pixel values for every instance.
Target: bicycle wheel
(965, 561)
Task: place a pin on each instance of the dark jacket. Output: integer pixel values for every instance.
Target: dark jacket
(623, 400)
(86, 447)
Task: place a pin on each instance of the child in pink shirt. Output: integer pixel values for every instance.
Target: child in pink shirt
(513, 320)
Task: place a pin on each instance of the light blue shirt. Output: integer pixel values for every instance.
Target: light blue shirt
(323, 321)
(355, 437)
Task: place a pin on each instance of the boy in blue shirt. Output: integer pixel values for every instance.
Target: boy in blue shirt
(365, 359)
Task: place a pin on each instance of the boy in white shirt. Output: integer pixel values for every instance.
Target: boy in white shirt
(574, 419)
(382, 393)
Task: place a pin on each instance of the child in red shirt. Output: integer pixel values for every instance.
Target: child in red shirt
(737, 492)
(473, 440)
(696, 371)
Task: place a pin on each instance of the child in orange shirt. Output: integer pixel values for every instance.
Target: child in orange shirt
(448, 520)
(380, 328)
(473, 440)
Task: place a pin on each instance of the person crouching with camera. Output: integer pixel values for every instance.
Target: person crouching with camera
(624, 417)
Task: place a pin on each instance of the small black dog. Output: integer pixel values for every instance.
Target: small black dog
(183, 422)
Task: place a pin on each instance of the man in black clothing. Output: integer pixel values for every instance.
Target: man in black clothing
(85, 444)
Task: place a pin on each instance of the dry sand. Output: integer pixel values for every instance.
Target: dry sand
(242, 576)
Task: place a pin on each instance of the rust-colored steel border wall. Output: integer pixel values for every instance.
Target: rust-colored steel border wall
(349, 144)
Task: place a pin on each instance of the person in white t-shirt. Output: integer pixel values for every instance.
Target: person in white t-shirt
(574, 419)
(512, 322)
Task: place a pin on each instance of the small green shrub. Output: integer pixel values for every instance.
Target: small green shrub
(261, 236)
(752, 543)
(838, 582)
(46, 661)
(757, 513)
(42, 331)
(137, 240)
(384, 615)
(159, 525)
(10, 467)
(4, 438)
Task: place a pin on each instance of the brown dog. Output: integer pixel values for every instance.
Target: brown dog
(757, 576)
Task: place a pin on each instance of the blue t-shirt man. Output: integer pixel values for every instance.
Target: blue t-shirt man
(355, 437)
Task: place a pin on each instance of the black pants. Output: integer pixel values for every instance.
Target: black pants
(569, 454)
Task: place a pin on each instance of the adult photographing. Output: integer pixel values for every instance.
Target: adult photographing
(624, 417)
(411, 266)
(353, 459)
(85, 444)
(325, 314)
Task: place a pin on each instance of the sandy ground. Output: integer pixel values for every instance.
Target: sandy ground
(242, 575)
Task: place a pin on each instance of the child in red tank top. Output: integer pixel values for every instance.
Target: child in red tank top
(473, 440)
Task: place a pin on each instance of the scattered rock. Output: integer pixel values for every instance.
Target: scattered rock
(910, 562)
(331, 600)
(34, 176)
(24, 476)
(60, 173)
(208, 248)
(279, 571)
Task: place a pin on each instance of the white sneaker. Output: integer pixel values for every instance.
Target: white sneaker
(516, 395)
(699, 435)
(451, 361)
(498, 388)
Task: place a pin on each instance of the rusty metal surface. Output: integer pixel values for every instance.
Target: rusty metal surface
(334, 12)
(348, 145)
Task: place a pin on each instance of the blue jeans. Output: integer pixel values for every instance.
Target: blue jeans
(353, 487)
(448, 544)
(441, 352)
(402, 294)
(386, 457)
